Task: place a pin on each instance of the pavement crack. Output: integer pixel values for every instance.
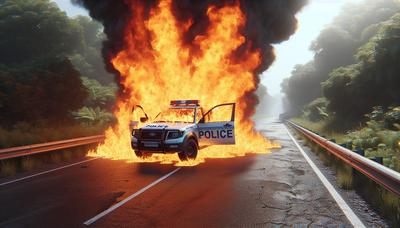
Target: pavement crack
(265, 205)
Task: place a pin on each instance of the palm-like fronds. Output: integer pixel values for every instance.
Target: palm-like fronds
(92, 115)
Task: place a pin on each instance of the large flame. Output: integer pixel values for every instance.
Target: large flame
(157, 67)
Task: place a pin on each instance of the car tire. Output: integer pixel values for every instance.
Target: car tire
(142, 154)
(189, 150)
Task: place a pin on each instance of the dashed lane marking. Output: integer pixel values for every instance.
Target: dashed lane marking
(115, 206)
(348, 212)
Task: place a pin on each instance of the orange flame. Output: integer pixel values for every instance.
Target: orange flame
(157, 67)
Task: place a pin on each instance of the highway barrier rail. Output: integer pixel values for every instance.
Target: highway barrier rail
(380, 174)
(21, 151)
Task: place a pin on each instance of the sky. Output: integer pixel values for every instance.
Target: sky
(312, 19)
(71, 10)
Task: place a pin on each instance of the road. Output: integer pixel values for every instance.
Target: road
(272, 190)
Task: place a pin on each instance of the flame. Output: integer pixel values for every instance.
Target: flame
(157, 67)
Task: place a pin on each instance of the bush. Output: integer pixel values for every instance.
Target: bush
(316, 110)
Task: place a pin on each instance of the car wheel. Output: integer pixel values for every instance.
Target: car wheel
(189, 151)
(142, 154)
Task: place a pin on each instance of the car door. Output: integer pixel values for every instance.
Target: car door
(217, 127)
(138, 115)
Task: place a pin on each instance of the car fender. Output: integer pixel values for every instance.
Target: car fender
(191, 135)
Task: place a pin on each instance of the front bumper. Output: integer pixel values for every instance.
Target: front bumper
(156, 147)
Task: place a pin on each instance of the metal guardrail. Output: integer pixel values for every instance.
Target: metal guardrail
(382, 175)
(21, 151)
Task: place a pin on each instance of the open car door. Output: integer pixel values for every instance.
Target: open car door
(217, 126)
(137, 116)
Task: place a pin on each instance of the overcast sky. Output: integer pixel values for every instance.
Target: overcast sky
(312, 20)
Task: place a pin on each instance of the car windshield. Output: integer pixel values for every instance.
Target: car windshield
(176, 115)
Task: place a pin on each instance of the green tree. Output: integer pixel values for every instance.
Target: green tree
(40, 92)
(99, 95)
(373, 81)
(39, 83)
(90, 115)
(335, 47)
(87, 58)
(33, 29)
(301, 87)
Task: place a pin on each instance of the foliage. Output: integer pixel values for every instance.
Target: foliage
(90, 115)
(302, 80)
(23, 133)
(35, 29)
(316, 110)
(376, 139)
(392, 118)
(87, 58)
(99, 95)
(40, 92)
(355, 89)
(39, 83)
(335, 48)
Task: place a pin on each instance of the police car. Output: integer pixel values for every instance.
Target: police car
(184, 128)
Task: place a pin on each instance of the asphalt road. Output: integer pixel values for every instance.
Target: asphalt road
(273, 190)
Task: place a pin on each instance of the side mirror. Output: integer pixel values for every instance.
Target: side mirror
(144, 119)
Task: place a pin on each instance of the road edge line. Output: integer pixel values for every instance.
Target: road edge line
(348, 212)
(127, 199)
(45, 172)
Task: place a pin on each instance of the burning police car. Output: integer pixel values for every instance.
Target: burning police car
(184, 128)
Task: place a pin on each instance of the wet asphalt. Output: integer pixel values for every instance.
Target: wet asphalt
(271, 190)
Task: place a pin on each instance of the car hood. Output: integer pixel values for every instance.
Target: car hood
(167, 126)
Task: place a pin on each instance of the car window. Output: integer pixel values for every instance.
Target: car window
(219, 114)
(176, 115)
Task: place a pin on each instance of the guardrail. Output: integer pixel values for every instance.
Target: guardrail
(21, 151)
(382, 175)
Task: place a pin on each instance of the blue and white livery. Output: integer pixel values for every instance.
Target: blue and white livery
(184, 129)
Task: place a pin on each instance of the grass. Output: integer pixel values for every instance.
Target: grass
(373, 138)
(322, 128)
(24, 134)
(385, 202)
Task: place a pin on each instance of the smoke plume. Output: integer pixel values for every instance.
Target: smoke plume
(268, 21)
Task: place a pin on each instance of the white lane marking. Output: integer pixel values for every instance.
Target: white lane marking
(351, 216)
(45, 172)
(115, 206)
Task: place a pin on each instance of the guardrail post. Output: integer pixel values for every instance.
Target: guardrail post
(360, 152)
(378, 160)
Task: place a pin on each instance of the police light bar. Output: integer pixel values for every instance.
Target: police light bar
(184, 102)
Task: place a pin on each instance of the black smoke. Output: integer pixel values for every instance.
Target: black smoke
(268, 21)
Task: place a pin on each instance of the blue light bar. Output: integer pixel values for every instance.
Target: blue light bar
(184, 102)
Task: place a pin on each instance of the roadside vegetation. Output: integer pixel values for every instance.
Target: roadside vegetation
(350, 90)
(53, 81)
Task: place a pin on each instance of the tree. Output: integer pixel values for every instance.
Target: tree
(301, 87)
(335, 47)
(39, 83)
(34, 29)
(90, 115)
(87, 58)
(44, 91)
(373, 81)
(99, 95)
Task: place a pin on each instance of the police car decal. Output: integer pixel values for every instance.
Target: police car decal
(216, 134)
